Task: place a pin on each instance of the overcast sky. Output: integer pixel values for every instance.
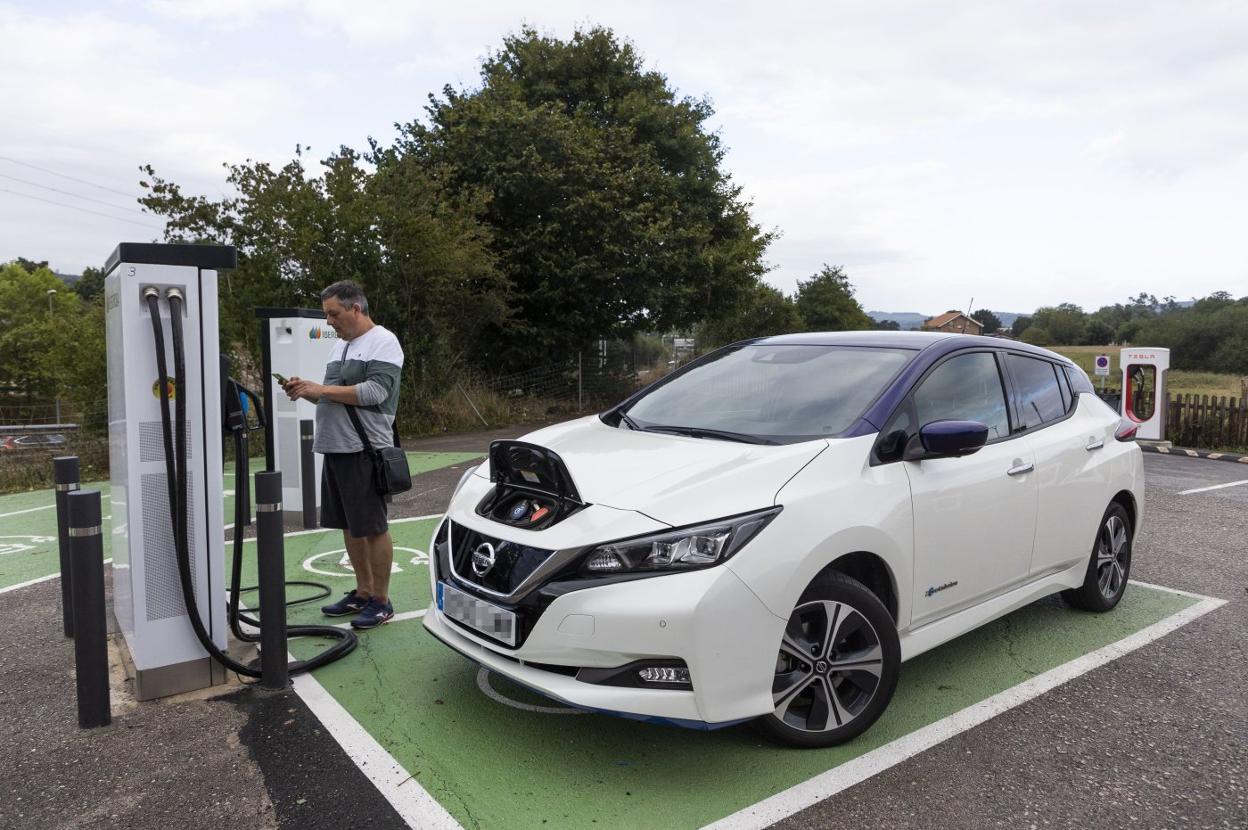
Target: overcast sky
(1022, 154)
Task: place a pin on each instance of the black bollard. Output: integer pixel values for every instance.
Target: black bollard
(86, 550)
(65, 471)
(307, 470)
(270, 551)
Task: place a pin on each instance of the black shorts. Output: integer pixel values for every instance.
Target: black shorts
(349, 497)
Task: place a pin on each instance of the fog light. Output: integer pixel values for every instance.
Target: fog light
(664, 674)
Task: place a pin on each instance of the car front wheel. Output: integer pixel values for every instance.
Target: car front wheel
(837, 667)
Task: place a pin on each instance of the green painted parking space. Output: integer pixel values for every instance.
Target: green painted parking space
(319, 556)
(28, 548)
(530, 762)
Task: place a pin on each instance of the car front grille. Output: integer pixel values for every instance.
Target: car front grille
(495, 565)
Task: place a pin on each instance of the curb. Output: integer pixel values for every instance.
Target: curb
(1184, 451)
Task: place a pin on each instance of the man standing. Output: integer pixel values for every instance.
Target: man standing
(363, 374)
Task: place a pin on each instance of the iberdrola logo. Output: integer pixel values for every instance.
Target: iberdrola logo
(316, 333)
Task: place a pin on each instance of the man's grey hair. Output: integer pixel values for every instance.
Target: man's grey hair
(348, 293)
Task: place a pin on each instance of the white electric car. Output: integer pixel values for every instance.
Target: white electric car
(770, 531)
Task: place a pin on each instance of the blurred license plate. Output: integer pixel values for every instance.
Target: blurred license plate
(477, 614)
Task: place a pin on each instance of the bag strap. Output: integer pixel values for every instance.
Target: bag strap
(359, 428)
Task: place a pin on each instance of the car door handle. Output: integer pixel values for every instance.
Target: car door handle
(1020, 469)
(1095, 445)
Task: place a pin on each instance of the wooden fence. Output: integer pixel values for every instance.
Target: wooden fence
(1208, 422)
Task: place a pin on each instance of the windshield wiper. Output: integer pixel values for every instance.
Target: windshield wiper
(631, 423)
(703, 432)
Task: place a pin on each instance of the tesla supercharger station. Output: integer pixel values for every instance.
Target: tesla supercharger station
(295, 342)
(147, 593)
(1144, 390)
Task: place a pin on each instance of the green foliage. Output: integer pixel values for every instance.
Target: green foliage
(1065, 323)
(1212, 335)
(32, 324)
(826, 303)
(1037, 336)
(887, 325)
(762, 312)
(419, 254)
(1021, 324)
(608, 211)
(1098, 333)
(91, 284)
(990, 321)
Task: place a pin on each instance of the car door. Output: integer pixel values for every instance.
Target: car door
(974, 515)
(1067, 437)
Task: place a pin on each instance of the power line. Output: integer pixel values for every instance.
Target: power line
(64, 176)
(82, 210)
(71, 193)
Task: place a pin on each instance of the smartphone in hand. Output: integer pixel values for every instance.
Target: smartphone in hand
(281, 380)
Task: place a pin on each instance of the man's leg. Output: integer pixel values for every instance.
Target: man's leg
(361, 562)
(380, 561)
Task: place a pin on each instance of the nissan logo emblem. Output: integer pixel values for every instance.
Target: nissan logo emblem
(482, 558)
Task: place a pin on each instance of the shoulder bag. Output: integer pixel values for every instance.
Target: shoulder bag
(390, 470)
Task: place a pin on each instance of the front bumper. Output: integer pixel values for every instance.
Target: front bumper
(707, 618)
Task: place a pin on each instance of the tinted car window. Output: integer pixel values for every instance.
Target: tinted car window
(779, 392)
(1039, 397)
(1079, 381)
(965, 388)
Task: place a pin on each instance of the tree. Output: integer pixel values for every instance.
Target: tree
(91, 284)
(32, 324)
(1064, 324)
(887, 325)
(1037, 336)
(990, 321)
(608, 209)
(764, 311)
(1021, 324)
(419, 253)
(1098, 333)
(826, 302)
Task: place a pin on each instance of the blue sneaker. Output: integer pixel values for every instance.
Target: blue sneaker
(374, 614)
(349, 604)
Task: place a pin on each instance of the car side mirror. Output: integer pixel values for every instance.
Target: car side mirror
(946, 439)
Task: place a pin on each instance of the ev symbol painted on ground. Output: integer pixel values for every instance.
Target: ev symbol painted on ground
(336, 564)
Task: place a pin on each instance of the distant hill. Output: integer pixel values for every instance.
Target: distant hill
(907, 320)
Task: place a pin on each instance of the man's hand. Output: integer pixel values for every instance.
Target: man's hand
(297, 388)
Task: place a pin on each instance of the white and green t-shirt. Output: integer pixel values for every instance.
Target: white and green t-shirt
(372, 364)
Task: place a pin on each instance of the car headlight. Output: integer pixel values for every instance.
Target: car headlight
(686, 548)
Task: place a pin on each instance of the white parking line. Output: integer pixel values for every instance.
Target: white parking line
(409, 799)
(27, 510)
(37, 580)
(823, 786)
(1214, 487)
(35, 509)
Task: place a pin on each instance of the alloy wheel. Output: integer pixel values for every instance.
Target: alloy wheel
(1111, 556)
(829, 666)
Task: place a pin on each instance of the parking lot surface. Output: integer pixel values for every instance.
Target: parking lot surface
(1154, 738)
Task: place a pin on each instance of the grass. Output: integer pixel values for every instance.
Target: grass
(1178, 381)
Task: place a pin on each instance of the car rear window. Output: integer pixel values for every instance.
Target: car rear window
(1039, 396)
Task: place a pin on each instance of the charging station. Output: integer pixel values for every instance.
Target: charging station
(1144, 390)
(294, 342)
(148, 599)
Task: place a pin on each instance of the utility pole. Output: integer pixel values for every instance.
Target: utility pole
(52, 291)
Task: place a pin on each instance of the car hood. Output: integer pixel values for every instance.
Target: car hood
(674, 479)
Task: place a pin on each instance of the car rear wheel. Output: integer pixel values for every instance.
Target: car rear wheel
(837, 667)
(1109, 566)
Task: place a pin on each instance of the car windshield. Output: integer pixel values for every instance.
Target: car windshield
(771, 393)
